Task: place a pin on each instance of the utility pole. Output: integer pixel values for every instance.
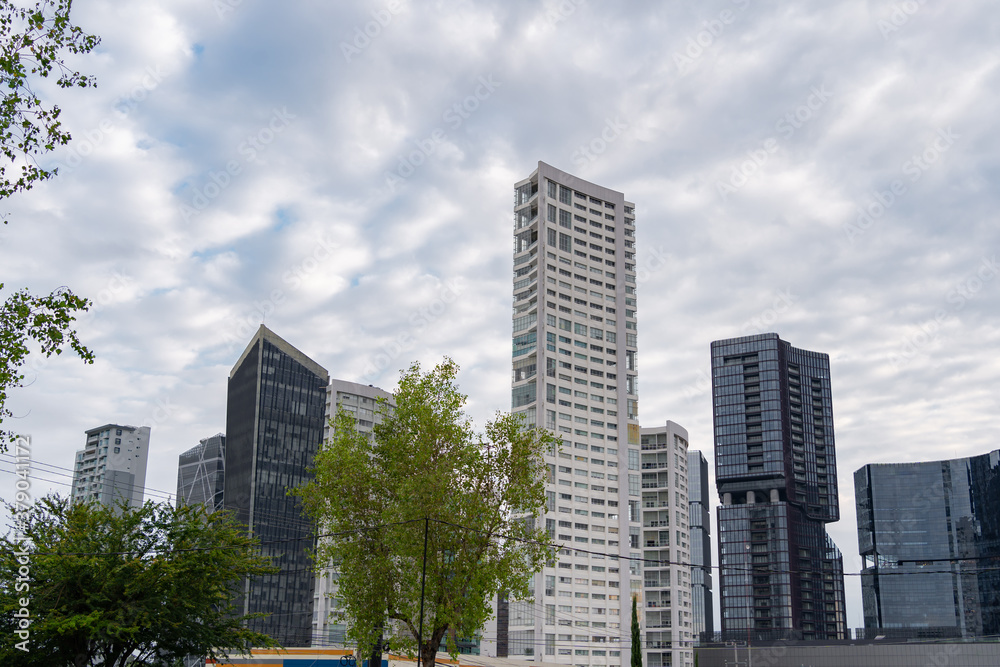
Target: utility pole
(423, 583)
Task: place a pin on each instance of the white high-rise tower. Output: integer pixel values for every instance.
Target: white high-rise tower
(574, 361)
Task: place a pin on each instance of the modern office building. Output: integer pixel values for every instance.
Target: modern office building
(201, 473)
(667, 621)
(574, 373)
(699, 522)
(275, 418)
(112, 467)
(929, 536)
(781, 576)
(360, 400)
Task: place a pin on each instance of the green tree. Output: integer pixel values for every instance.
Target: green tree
(427, 483)
(34, 42)
(636, 636)
(45, 320)
(123, 586)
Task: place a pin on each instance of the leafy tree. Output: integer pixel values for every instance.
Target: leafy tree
(636, 637)
(427, 483)
(123, 586)
(34, 41)
(43, 319)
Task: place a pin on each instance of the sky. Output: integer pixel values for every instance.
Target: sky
(344, 173)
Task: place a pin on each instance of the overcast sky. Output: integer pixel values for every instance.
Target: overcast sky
(345, 171)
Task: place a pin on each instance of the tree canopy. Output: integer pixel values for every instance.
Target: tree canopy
(427, 483)
(123, 586)
(47, 321)
(35, 40)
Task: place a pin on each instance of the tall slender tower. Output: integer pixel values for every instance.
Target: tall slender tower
(574, 373)
(781, 576)
(274, 426)
(703, 626)
(668, 609)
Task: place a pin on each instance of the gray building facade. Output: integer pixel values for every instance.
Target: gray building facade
(699, 522)
(929, 537)
(781, 576)
(201, 473)
(275, 416)
(111, 468)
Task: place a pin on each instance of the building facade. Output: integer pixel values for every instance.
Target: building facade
(929, 537)
(574, 373)
(111, 469)
(201, 473)
(667, 620)
(699, 521)
(275, 416)
(781, 576)
(361, 400)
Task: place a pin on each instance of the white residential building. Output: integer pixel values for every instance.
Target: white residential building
(667, 614)
(574, 361)
(112, 466)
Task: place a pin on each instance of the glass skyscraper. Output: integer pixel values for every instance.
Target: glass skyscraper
(781, 576)
(274, 427)
(929, 536)
(201, 473)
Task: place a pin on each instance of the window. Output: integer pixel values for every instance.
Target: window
(565, 242)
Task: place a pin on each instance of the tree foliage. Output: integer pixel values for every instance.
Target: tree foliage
(47, 321)
(34, 42)
(35, 39)
(115, 586)
(426, 474)
(636, 636)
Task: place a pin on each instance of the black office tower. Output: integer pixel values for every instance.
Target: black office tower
(274, 426)
(781, 576)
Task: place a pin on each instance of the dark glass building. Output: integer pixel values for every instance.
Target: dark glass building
(702, 611)
(781, 576)
(929, 536)
(201, 473)
(274, 427)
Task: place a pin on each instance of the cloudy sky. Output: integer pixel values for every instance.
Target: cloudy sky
(344, 172)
